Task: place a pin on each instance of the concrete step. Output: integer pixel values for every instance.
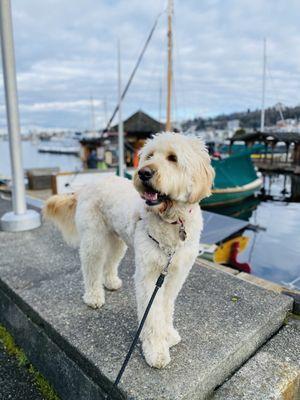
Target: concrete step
(273, 373)
(222, 321)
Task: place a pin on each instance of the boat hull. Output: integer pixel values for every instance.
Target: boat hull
(226, 196)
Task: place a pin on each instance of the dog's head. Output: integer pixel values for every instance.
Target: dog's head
(173, 168)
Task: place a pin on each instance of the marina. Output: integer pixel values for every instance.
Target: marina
(99, 283)
(280, 195)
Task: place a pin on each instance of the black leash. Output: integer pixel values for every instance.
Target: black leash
(158, 285)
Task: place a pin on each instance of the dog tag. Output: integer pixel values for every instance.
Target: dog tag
(182, 233)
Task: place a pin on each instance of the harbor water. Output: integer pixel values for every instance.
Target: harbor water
(274, 253)
(33, 159)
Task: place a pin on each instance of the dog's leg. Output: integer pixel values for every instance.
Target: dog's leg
(93, 255)
(115, 253)
(174, 281)
(153, 336)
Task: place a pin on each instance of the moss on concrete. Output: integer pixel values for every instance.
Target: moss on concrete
(12, 349)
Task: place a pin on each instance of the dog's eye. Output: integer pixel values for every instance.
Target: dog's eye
(172, 158)
(149, 156)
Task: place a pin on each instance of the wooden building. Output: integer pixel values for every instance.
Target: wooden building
(137, 128)
(270, 141)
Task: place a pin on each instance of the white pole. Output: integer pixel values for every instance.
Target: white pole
(105, 111)
(262, 116)
(93, 119)
(20, 218)
(121, 127)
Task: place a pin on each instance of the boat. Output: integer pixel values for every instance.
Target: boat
(236, 179)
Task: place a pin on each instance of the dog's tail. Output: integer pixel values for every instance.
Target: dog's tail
(60, 209)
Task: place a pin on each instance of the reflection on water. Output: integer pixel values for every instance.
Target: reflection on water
(33, 159)
(274, 254)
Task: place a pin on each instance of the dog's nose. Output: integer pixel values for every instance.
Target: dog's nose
(145, 174)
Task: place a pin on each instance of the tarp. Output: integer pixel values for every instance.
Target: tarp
(219, 227)
(236, 170)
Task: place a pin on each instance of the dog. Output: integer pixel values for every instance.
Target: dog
(156, 213)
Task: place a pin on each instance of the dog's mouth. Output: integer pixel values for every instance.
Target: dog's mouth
(153, 197)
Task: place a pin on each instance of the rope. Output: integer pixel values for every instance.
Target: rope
(134, 70)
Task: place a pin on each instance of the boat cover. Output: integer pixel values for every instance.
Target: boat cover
(236, 170)
(219, 227)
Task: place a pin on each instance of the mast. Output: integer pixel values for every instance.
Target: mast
(93, 120)
(121, 127)
(170, 44)
(262, 116)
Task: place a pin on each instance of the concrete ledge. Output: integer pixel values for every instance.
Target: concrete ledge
(255, 280)
(222, 321)
(273, 373)
(71, 375)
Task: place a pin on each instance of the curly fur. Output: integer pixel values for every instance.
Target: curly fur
(110, 215)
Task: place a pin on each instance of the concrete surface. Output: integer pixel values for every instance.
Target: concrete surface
(273, 373)
(222, 321)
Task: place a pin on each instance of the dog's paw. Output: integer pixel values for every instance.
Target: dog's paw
(156, 353)
(173, 337)
(113, 283)
(94, 300)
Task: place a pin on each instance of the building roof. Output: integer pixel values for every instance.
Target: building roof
(277, 136)
(140, 124)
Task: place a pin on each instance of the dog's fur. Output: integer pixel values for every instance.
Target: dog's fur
(106, 217)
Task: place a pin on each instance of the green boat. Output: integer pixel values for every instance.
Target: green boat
(236, 179)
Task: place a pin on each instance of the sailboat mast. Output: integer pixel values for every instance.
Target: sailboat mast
(262, 116)
(93, 120)
(120, 125)
(170, 45)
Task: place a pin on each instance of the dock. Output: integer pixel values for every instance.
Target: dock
(225, 323)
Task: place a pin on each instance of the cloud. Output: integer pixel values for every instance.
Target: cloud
(73, 106)
(67, 51)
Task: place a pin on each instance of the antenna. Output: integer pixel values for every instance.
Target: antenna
(93, 121)
(262, 116)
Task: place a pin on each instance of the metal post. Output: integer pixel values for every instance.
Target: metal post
(121, 127)
(170, 71)
(20, 219)
(93, 119)
(262, 117)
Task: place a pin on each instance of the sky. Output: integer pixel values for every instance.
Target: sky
(66, 54)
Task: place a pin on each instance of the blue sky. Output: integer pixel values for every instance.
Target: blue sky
(66, 52)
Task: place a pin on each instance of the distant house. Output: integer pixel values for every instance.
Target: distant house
(138, 127)
(232, 126)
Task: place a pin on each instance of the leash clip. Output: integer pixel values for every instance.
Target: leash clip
(170, 256)
(182, 231)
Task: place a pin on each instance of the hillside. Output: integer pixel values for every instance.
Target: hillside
(248, 119)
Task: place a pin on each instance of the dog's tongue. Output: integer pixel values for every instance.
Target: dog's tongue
(151, 196)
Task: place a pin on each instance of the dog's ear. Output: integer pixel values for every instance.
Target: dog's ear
(203, 174)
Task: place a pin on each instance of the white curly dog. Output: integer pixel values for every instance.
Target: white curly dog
(156, 213)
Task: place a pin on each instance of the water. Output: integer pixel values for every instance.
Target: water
(33, 159)
(274, 254)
